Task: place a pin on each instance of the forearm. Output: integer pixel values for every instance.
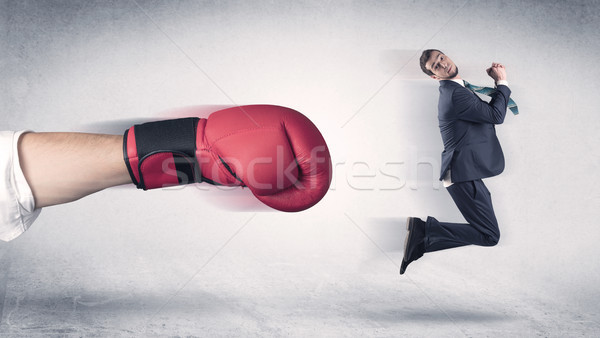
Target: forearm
(63, 167)
(470, 108)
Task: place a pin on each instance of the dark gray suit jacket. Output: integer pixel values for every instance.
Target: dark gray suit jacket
(471, 149)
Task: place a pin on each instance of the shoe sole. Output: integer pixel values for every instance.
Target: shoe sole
(409, 228)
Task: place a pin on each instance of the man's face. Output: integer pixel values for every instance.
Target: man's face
(441, 66)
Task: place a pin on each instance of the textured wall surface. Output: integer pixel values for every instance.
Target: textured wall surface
(191, 261)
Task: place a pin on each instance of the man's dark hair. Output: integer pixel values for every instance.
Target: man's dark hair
(424, 57)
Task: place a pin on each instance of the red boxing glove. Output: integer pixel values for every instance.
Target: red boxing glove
(275, 151)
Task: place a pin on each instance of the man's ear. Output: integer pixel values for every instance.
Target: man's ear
(434, 77)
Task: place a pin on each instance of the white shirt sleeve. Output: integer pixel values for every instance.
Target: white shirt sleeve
(17, 205)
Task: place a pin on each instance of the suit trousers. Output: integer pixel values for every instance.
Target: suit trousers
(475, 203)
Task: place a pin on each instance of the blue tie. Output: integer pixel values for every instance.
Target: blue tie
(489, 91)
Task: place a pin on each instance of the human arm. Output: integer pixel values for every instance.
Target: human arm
(64, 167)
(469, 107)
(276, 152)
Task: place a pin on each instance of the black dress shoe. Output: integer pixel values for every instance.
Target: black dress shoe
(414, 247)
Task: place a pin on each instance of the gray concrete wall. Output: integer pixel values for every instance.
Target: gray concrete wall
(191, 261)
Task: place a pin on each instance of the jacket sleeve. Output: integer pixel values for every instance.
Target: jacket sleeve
(471, 108)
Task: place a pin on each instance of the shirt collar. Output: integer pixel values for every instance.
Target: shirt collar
(459, 81)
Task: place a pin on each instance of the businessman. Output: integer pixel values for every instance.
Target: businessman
(471, 152)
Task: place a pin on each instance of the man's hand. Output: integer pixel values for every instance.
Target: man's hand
(496, 72)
